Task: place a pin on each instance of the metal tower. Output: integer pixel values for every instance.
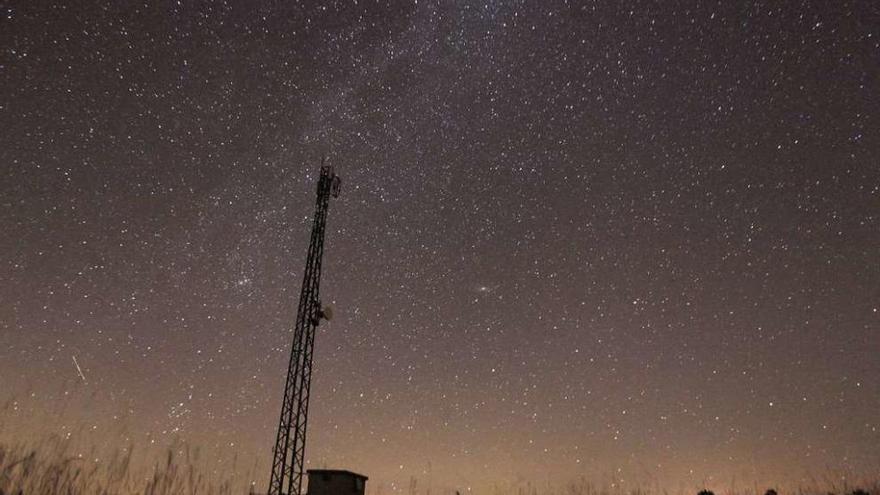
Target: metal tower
(290, 445)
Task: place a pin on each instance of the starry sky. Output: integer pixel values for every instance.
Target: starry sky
(635, 242)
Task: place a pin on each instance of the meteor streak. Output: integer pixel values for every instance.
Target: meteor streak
(78, 369)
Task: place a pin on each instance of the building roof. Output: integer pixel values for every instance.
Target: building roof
(336, 471)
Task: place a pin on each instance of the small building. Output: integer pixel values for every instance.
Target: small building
(335, 482)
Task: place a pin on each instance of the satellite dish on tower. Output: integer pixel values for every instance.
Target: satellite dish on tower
(327, 313)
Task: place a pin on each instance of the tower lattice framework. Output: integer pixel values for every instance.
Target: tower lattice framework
(290, 444)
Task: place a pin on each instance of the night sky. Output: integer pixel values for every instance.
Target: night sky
(628, 241)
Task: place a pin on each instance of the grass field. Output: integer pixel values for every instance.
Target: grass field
(68, 464)
(50, 467)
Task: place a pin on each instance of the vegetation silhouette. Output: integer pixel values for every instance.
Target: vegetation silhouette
(60, 465)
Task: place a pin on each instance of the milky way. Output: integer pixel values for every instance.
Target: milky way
(632, 242)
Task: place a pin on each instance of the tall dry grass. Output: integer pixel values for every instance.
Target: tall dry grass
(50, 467)
(68, 465)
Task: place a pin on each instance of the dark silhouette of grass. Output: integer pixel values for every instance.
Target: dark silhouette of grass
(57, 465)
(49, 468)
(583, 486)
